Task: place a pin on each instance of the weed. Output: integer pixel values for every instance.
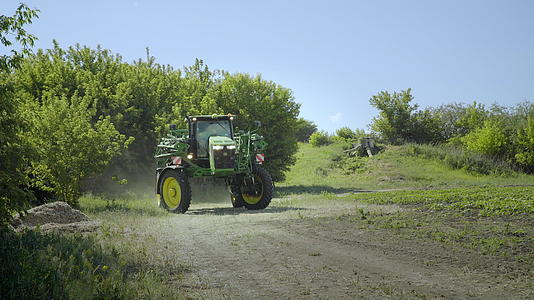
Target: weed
(38, 266)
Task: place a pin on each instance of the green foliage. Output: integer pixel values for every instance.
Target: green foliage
(14, 151)
(253, 98)
(472, 118)
(70, 146)
(349, 135)
(320, 138)
(486, 201)
(459, 158)
(14, 26)
(305, 129)
(37, 266)
(143, 98)
(394, 121)
(525, 146)
(399, 121)
(448, 116)
(490, 139)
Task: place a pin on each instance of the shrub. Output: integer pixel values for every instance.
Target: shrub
(525, 146)
(490, 139)
(52, 266)
(458, 158)
(320, 138)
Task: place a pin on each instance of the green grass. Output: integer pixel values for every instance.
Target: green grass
(484, 201)
(53, 266)
(433, 198)
(327, 169)
(117, 262)
(487, 220)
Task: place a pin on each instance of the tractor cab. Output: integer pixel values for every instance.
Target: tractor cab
(212, 141)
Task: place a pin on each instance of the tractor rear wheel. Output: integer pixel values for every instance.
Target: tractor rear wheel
(175, 191)
(255, 192)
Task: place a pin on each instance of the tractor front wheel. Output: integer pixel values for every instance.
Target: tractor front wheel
(254, 192)
(175, 191)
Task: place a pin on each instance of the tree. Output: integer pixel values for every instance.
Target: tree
(70, 146)
(394, 122)
(399, 121)
(253, 98)
(448, 116)
(320, 138)
(427, 128)
(13, 149)
(305, 129)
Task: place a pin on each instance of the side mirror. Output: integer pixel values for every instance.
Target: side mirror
(257, 123)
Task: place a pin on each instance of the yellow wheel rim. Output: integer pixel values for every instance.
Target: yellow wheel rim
(172, 193)
(252, 198)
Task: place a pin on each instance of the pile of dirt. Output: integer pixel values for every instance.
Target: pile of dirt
(55, 217)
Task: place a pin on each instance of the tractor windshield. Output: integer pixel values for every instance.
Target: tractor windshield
(207, 128)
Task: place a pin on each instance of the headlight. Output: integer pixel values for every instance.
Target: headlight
(190, 156)
(218, 147)
(231, 147)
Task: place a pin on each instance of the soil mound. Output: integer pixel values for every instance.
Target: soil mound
(55, 216)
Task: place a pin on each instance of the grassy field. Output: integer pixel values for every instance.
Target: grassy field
(327, 169)
(489, 214)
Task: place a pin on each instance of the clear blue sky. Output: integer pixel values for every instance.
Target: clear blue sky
(334, 55)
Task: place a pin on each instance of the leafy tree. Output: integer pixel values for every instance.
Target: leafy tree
(394, 122)
(70, 146)
(253, 98)
(305, 129)
(448, 117)
(427, 128)
(399, 121)
(320, 138)
(13, 149)
(132, 95)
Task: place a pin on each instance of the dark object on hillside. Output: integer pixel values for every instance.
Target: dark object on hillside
(366, 147)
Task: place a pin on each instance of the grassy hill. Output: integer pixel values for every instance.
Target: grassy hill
(328, 169)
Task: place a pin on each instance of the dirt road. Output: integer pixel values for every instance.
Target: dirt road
(312, 252)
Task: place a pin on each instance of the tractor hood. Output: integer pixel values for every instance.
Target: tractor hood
(220, 141)
(222, 154)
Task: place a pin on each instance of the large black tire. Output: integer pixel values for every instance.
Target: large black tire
(262, 190)
(175, 191)
(237, 201)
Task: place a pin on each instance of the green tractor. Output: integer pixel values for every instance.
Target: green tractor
(211, 147)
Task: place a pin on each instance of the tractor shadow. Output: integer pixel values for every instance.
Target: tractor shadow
(225, 211)
(281, 191)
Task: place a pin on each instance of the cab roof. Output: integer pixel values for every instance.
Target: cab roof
(212, 117)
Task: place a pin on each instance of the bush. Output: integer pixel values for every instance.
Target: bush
(525, 146)
(347, 134)
(320, 138)
(459, 158)
(490, 139)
